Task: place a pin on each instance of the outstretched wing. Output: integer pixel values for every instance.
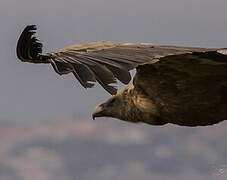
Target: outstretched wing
(101, 62)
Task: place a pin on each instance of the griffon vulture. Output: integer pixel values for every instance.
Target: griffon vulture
(181, 85)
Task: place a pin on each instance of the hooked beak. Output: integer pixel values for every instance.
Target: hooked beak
(98, 112)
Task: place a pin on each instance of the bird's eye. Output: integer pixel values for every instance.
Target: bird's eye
(113, 100)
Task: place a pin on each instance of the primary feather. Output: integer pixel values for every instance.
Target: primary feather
(101, 62)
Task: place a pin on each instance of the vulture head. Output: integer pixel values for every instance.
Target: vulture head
(128, 105)
(118, 106)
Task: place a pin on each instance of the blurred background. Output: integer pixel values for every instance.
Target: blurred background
(46, 131)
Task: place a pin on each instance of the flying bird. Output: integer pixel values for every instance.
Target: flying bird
(186, 86)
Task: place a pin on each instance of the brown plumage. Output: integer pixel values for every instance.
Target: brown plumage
(180, 85)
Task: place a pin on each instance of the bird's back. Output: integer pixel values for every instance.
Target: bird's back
(188, 89)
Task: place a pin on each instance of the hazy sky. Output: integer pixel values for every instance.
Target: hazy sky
(75, 146)
(36, 93)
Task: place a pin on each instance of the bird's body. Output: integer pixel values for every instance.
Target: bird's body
(180, 85)
(188, 90)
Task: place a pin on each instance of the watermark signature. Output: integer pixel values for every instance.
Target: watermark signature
(220, 170)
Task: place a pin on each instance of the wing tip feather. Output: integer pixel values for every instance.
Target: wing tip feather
(29, 48)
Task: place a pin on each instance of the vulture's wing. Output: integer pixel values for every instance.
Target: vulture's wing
(103, 62)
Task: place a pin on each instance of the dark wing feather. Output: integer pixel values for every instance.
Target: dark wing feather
(29, 49)
(103, 62)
